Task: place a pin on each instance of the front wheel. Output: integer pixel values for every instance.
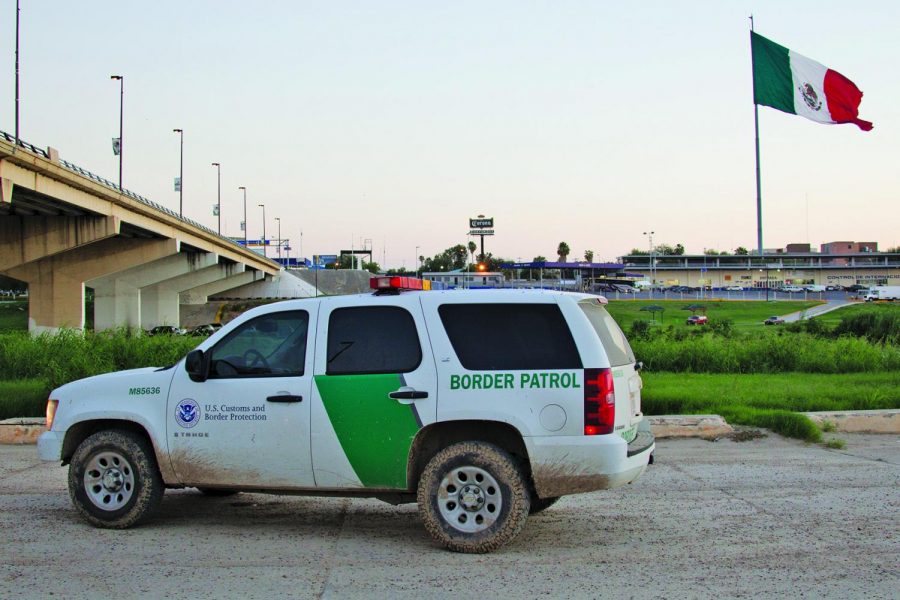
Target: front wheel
(473, 497)
(113, 479)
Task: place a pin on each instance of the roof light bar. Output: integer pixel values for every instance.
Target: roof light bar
(397, 284)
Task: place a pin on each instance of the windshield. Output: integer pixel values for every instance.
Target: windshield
(611, 336)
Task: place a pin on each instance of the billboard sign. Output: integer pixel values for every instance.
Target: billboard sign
(481, 223)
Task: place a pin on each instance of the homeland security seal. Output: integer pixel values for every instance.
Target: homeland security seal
(810, 96)
(187, 413)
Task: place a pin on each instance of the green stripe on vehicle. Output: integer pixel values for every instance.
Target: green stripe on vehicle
(375, 431)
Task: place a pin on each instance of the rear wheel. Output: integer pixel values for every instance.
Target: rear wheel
(473, 497)
(113, 479)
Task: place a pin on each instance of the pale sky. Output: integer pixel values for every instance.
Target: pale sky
(584, 122)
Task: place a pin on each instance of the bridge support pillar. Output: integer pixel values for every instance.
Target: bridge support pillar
(200, 294)
(160, 302)
(56, 282)
(117, 297)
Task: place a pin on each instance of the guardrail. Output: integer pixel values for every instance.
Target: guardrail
(113, 186)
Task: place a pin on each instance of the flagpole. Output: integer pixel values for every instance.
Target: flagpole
(759, 240)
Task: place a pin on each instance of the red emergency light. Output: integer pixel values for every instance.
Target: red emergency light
(398, 283)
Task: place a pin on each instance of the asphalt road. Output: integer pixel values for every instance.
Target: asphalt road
(764, 518)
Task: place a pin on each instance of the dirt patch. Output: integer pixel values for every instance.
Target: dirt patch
(741, 435)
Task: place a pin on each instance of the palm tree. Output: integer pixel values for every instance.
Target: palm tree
(472, 248)
(563, 251)
(589, 256)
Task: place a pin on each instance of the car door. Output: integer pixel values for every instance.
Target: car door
(375, 388)
(247, 425)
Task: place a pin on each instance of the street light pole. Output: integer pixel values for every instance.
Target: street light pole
(263, 206)
(180, 174)
(219, 194)
(649, 235)
(245, 214)
(17, 73)
(279, 235)
(418, 262)
(121, 80)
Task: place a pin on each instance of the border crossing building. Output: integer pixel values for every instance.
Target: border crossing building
(838, 263)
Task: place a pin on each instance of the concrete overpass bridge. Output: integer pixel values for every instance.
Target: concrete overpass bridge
(63, 228)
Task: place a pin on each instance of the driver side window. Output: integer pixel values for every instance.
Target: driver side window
(272, 345)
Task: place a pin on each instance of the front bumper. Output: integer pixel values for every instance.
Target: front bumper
(562, 465)
(49, 446)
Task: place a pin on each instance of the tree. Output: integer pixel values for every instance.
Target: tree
(589, 256)
(741, 251)
(539, 259)
(448, 260)
(638, 252)
(679, 250)
(472, 248)
(563, 251)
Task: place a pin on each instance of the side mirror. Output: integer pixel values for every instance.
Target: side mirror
(637, 366)
(196, 365)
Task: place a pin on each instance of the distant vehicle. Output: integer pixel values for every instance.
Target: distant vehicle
(166, 330)
(833, 288)
(697, 320)
(814, 288)
(792, 289)
(208, 329)
(643, 285)
(856, 287)
(682, 288)
(774, 321)
(883, 292)
(733, 288)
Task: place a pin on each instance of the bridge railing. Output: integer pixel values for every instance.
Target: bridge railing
(107, 183)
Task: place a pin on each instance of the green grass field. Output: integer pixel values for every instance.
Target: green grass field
(831, 319)
(13, 316)
(773, 401)
(747, 315)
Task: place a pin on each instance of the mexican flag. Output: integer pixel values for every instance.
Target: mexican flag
(795, 84)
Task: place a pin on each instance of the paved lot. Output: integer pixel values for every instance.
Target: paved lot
(764, 518)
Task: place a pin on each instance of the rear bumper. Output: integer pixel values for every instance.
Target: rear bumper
(49, 446)
(564, 465)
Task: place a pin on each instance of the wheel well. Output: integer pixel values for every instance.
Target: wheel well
(79, 432)
(437, 436)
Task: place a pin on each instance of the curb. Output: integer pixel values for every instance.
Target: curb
(27, 431)
(859, 421)
(21, 431)
(679, 426)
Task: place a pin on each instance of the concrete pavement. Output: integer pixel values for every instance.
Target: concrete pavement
(771, 517)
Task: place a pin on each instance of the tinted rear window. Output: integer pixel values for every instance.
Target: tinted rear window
(614, 342)
(492, 337)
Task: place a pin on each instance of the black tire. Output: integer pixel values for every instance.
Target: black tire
(539, 505)
(114, 481)
(467, 523)
(217, 492)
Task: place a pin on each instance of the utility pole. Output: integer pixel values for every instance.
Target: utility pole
(219, 194)
(245, 214)
(121, 80)
(17, 75)
(180, 132)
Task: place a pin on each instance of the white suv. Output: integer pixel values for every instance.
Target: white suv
(483, 406)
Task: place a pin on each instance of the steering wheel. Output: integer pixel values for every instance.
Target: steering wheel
(253, 358)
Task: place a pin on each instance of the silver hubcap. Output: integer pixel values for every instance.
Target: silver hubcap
(109, 481)
(469, 499)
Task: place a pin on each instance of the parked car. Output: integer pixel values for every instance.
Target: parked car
(733, 288)
(697, 320)
(774, 321)
(833, 288)
(166, 330)
(208, 329)
(792, 289)
(856, 287)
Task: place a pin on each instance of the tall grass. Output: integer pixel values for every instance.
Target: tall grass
(801, 352)
(23, 398)
(70, 355)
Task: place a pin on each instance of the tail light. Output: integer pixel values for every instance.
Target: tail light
(599, 402)
(51, 412)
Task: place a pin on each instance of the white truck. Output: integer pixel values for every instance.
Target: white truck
(882, 292)
(482, 406)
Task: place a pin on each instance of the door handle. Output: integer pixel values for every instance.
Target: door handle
(408, 394)
(285, 398)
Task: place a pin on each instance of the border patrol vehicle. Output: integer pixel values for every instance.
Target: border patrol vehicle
(482, 406)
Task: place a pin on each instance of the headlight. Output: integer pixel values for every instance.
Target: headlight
(51, 412)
